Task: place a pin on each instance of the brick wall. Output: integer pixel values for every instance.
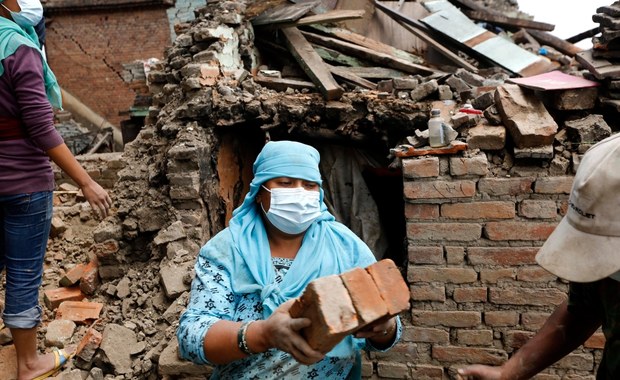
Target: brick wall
(477, 293)
(87, 50)
(102, 167)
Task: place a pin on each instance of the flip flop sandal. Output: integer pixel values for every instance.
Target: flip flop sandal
(60, 359)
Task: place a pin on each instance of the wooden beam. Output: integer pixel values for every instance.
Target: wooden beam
(329, 17)
(348, 76)
(284, 13)
(368, 54)
(422, 32)
(376, 72)
(331, 55)
(312, 64)
(358, 39)
(281, 84)
(555, 42)
(509, 22)
(583, 35)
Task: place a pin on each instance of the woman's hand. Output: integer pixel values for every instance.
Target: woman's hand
(97, 197)
(480, 372)
(281, 331)
(381, 333)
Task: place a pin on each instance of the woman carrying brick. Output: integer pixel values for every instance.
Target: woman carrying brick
(28, 140)
(247, 276)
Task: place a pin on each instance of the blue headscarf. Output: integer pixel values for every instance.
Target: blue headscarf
(12, 36)
(324, 246)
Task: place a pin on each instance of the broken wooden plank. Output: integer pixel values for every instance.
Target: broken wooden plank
(583, 35)
(376, 72)
(409, 151)
(329, 17)
(509, 22)
(600, 68)
(346, 75)
(555, 42)
(284, 13)
(421, 31)
(312, 64)
(334, 56)
(369, 43)
(281, 84)
(368, 54)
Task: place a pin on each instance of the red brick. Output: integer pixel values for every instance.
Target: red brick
(475, 337)
(106, 251)
(495, 275)
(553, 185)
(526, 296)
(422, 167)
(563, 208)
(72, 276)
(88, 345)
(501, 318)
(444, 275)
(439, 189)
(506, 186)
(425, 255)
(455, 255)
(476, 294)
(527, 231)
(534, 274)
(477, 165)
(515, 339)
(428, 293)
(533, 321)
(471, 355)
(364, 294)
(54, 297)
(393, 370)
(326, 302)
(421, 211)
(444, 231)
(577, 361)
(446, 318)
(89, 282)
(79, 312)
(538, 209)
(505, 256)
(391, 285)
(426, 335)
(478, 210)
(427, 372)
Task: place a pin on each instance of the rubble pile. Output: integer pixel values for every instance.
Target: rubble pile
(218, 94)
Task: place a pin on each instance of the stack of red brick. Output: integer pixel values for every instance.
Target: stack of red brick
(339, 305)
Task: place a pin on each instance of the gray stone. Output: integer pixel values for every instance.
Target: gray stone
(172, 279)
(457, 84)
(122, 288)
(483, 101)
(116, 345)
(95, 374)
(588, 130)
(424, 90)
(470, 78)
(525, 116)
(545, 152)
(173, 232)
(108, 230)
(445, 92)
(171, 365)
(59, 333)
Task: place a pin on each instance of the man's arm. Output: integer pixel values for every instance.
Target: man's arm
(560, 335)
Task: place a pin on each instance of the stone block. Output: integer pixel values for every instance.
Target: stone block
(89, 344)
(486, 137)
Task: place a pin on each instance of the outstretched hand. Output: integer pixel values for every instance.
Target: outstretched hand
(479, 372)
(98, 198)
(283, 333)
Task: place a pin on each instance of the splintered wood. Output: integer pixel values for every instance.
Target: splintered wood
(339, 305)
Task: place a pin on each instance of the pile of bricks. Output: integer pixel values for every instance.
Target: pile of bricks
(339, 305)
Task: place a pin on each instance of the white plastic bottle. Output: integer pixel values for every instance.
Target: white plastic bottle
(436, 137)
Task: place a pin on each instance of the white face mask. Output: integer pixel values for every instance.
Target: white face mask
(30, 15)
(292, 211)
(615, 276)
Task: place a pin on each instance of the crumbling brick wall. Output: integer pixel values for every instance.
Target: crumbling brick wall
(102, 167)
(477, 293)
(87, 50)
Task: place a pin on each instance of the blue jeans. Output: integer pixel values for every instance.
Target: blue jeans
(25, 222)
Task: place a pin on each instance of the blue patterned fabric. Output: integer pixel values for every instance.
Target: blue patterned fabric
(236, 279)
(212, 299)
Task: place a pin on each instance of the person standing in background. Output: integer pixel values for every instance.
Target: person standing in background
(28, 140)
